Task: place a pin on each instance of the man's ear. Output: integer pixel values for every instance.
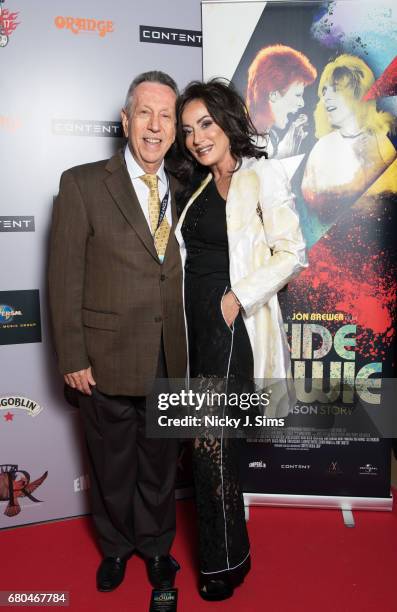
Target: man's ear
(274, 96)
(124, 121)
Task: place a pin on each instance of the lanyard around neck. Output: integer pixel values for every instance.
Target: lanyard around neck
(164, 203)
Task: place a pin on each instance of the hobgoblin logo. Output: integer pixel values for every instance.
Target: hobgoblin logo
(8, 23)
(15, 484)
(79, 24)
(23, 403)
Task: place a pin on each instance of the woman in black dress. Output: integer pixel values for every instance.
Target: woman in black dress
(230, 301)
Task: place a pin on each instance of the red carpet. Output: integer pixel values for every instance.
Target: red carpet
(303, 561)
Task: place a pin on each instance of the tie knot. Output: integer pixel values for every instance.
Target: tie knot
(150, 180)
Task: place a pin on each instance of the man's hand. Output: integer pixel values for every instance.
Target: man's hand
(230, 308)
(81, 380)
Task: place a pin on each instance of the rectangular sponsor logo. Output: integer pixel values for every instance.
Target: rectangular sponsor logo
(87, 127)
(170, 36)
(17, 224)
(20, 317)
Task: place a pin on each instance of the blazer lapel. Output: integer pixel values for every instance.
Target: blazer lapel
(171, 245)
(122, 191)
(192, 198)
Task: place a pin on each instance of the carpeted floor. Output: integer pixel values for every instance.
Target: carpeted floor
(303, 561)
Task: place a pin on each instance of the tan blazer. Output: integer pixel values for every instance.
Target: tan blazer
(110, 298)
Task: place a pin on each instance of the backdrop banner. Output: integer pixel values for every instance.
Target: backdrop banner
(320, 82)
(65, 70)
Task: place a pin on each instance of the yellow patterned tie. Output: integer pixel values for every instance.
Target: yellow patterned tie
(161, 233)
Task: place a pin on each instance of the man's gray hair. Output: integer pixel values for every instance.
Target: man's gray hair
(153, 76)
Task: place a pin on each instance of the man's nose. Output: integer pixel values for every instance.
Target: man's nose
(154, 123)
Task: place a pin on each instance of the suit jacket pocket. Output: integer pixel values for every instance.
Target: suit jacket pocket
(101, 320)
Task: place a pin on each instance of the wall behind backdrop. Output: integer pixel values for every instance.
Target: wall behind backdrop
(65, 67)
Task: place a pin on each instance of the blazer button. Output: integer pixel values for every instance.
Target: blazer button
(158, 319)
(162, 277)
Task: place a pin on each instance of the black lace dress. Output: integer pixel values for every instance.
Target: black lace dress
(220, 359)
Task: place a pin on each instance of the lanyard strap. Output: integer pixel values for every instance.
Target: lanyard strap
(164, 203)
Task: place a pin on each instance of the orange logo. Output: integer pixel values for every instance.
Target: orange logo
(78, 24)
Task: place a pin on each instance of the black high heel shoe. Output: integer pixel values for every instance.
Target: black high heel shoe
(215, 590)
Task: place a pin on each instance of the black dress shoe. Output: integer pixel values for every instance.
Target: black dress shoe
(161, 571)
(110, 573)
(215, 590)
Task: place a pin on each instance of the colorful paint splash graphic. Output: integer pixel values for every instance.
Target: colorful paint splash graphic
(365, 28)
(386, 85)
(352, 270)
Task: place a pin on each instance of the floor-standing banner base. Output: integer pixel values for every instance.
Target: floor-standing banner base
(319, 501)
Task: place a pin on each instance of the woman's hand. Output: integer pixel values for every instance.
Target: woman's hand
(230, 308)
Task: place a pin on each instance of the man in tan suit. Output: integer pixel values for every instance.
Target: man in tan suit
(116, 303)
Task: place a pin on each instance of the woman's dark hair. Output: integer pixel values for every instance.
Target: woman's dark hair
(228, 110)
